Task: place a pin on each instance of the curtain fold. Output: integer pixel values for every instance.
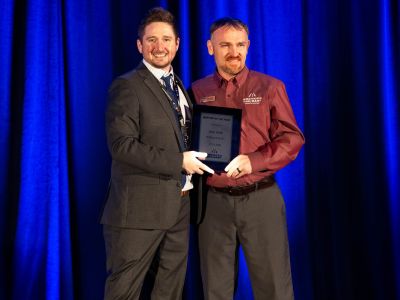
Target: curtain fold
(390, 106)
(6, 34)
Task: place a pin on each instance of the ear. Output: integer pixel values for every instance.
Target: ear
(248, 44)
(210, 47)
(139, 46)
(177, 43)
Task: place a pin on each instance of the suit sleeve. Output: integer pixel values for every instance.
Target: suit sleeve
(123, 135)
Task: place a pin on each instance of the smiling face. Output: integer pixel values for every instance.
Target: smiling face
(229, 47)
(158, 45)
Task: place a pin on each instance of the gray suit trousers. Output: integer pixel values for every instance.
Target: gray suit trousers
(130, 253)
(257, 222)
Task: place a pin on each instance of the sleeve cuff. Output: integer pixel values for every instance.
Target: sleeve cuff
(256, 161)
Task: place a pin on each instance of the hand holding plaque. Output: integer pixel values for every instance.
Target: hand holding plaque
(192, 164)
(239, 166)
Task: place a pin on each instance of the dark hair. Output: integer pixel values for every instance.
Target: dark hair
(157, 14)
(230, 22)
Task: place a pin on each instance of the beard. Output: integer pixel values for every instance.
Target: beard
(160, 65)
(232, 69)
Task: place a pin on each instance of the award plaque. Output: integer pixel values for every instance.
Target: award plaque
(216, 131)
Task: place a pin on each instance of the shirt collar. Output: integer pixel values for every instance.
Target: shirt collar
(238, 80)
(158, 73)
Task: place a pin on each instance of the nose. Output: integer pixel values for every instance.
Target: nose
(159, 45)
(234, 51)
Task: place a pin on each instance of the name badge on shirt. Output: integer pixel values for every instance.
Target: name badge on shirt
(207, 99)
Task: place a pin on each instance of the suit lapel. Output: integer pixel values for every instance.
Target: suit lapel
(180, 84)
(154, 86)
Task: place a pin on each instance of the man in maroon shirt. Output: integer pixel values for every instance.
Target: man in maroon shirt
(244, 204)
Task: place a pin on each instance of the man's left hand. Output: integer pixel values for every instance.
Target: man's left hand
(239, 166)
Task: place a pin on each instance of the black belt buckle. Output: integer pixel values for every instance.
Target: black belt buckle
(240, 191)
(230, 191)
(246, 189)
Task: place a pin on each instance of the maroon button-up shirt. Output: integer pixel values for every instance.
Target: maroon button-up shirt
(269, 132)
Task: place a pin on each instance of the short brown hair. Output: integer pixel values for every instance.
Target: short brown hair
(157, 14)
(230, 22)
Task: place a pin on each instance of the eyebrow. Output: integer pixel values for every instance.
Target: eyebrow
(229, 43)
(156, 37)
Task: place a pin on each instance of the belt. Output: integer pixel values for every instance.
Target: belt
(184, 193)
(245, 189)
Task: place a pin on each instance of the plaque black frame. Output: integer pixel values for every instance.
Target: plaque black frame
(236, 113)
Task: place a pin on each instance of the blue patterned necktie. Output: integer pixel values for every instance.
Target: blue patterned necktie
(171, 92)
(174, 97)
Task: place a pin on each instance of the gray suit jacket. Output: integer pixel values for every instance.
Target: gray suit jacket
(146, 146)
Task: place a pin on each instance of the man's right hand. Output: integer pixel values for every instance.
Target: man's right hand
(191, 163)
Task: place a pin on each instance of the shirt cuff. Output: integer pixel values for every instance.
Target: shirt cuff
(256, 161)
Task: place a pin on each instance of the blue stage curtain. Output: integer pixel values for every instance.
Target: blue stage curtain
(6, 40)
(389, 79)
(340, 61)
(33, 60)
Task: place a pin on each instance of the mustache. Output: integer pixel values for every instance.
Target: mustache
(228, 58)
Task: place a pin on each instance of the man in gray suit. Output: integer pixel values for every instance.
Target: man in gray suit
(147, 209)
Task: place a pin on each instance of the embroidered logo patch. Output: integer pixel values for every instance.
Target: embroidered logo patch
(207, 99)
(252, 99)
